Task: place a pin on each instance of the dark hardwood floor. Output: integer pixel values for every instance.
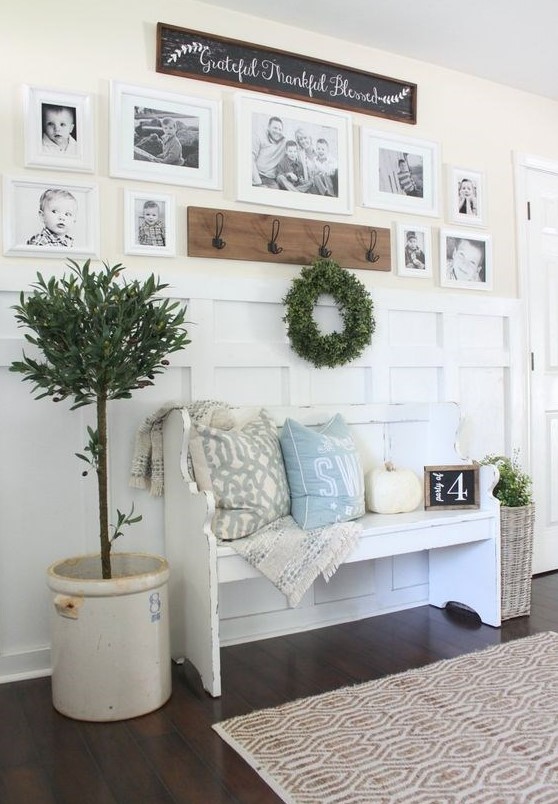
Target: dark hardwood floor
(173, 755)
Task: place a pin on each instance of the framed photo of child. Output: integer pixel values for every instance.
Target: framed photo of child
(466, 197)
(399, 173)
(163, 137)
(149, 224)
(293, 154)
(414, 250)
(465, 260)
(51, 219)
(58, 130)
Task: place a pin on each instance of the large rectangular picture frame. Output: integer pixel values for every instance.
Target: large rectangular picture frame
(479, 244)
(252, 114)
(387, 184)
(133, 201)
(462, 211)
(21, 218)
(39, 151)
(134, 153)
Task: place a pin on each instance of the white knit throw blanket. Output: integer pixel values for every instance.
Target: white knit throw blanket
(292, 558)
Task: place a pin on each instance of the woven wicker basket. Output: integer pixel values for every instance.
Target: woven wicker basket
(516, 531)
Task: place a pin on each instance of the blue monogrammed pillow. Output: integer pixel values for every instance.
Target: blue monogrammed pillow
(324, 471)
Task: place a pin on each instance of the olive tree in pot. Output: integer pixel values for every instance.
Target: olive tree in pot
(100, 338)
(517, 519)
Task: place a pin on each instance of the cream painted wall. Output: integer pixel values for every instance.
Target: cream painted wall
(83, 45)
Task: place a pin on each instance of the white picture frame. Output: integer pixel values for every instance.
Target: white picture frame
(138, 141)
(466, 196)
(58, 129)
(465, 259)
(414, 250)
(143, 240)
(399, 173)
(317, 184)
(23, 220)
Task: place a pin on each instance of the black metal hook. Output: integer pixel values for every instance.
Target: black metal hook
(272, 245)
(371, 255)
(323, 251)
(217, 242)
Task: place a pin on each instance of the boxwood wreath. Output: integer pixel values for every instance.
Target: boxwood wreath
(355, 306)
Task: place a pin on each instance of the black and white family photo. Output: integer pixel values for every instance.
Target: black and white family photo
(51, 219)
(164, 137)
(401, 173)
(414, 250)
(466, 197)
(294, 156)
(465, 261)
(167, 138)
(58, 130)
(149, 224)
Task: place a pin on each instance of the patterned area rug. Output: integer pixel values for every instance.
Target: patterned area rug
(478, 729)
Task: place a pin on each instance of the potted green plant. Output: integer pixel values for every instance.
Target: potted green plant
(99, 338)
(517, 518)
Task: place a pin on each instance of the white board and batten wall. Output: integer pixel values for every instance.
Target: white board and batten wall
(427, 347)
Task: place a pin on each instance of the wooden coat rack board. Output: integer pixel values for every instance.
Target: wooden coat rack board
(226, 235)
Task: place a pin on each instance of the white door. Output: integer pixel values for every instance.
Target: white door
(540, 279)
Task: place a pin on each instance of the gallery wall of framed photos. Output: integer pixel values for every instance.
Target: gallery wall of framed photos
(154, 117)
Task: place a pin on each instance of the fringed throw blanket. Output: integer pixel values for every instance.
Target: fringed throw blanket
(292, 558)
(147, 470)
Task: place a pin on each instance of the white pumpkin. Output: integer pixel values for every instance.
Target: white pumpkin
(392, 491)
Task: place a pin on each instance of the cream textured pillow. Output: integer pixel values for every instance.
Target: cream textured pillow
(244, 469)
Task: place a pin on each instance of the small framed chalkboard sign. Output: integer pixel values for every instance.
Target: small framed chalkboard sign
(451, 487)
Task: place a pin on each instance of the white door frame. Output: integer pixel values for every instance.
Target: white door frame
(523, 163)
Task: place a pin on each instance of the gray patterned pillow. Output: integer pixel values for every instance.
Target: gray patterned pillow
(244, 469)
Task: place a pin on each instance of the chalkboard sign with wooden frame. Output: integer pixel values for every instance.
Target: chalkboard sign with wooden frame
(451, 487)
(206, 57)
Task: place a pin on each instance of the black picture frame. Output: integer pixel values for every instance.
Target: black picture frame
(448, 488)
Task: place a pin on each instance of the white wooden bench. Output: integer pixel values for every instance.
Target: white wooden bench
(463, 545)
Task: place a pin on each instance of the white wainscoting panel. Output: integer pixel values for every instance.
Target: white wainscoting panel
(427, 347)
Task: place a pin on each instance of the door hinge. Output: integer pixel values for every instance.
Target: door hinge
(532, 361)
(528, 210)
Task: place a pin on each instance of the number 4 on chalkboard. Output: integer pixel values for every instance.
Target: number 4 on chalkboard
(451, 487)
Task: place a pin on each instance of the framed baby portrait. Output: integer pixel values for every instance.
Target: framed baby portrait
(293, 154)
(149, 224)
(414, 250)
(466, 197)
(51, 219)
(163, 137)
(465, 260)
(58, 129)
(399, 173)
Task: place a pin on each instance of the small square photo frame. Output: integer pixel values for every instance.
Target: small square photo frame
(164, 137)
(414, 250)
(50, 219)
(293, 154)
(58, 129)
(399, 173)
(465, 259)
(466, 197)
(149, 224)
